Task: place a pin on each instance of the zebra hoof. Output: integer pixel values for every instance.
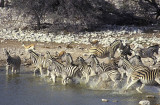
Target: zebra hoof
(138, 90)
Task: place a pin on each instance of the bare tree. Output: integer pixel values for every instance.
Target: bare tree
(34, 8)
(156, 6)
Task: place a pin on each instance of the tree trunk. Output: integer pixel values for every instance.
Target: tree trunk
(1, 3)
(37, 20)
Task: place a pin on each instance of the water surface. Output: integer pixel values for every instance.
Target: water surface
(26, 89)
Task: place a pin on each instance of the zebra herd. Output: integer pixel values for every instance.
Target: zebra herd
(133, 68)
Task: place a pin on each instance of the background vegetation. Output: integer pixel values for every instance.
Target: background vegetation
(83, 15)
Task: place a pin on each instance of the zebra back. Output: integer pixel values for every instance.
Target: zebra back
(100, 52)
(129, 67)
(146, 76)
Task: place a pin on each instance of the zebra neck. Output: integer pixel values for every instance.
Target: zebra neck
(127, 64)
(114, 45)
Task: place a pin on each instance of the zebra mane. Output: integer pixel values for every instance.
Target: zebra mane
(69, 59)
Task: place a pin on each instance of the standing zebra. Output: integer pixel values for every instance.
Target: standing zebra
(146, 77)
(55, 69)
(40, 61)
(149, 52)
(103, 52)
(13, 62)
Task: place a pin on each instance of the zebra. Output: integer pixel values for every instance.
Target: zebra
(112, 75)
(146, 77)
(104, 71)
(67, 58)
(105, 67)
(67, 72)
(109, 51)
(136, 60)
(149, 52)
(86, 70)
(56, 68)
(13, 62)
(126, 67)
(40, 62)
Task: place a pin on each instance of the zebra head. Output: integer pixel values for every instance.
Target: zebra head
(80, 61)
(6, 53)
(67, 58)
(126, 50)
(92, 60)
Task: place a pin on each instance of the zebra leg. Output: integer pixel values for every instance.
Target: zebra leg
(157, 80)
(12, 70)
(154, 59)
(41, 71)
(87, 78)
(53, 77)
(140, 88)
(35, 71)
(113, 78)
(128, 78)
(131, 83)
(121, 71)
(48, 72)
(7, 69)
(64, 78)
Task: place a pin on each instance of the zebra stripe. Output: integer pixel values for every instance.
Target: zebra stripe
(40, 62)
(146, 77)
(100, 67)
(103, 52)
(68, 73)
(85, 69)
(129, 68)
(56, 70)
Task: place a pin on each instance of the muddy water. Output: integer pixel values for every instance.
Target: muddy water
(26, 89)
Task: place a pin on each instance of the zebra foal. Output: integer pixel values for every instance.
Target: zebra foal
(13, 62)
